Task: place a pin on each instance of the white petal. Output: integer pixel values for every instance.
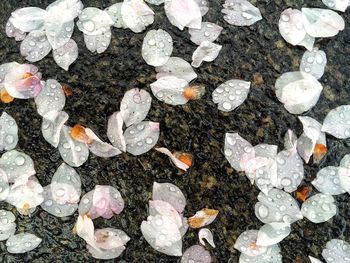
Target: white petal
(340, 5)
(231, 94)
(246, 244)
(52, 125)
(298, 91)
(328, 182)
(311, 127)
(68, 175)
(172, 157)
(207, 52)
(314, 260)
(85, 229)
(240, 13)
(100, 148)
(319, 208)
(35, 46)
(177, 67)
(272, 255)
(322, 22)
(136, 15)
(135, 106)
(337, 122)
(170, 89)
(206, 234)
(73, 152)
(66, 10)
(314, 62)
(22, 243)
(155, 2)
(8, 132)
(169, 193)
(58, 31)
(98, 43)
(336, 251)
(196, 253)
(28, 19)
(115, 12)
(157, 47)
(273, 233)
(16, 33)
(7, 224)
(291, 26)
(4, 187)
(93, 21)
(66, 55)
(203, 6)
(4, 69)
(345, 161)
(208, 32)
(115, 131)
(183, 13)
(159, 207)
(141, 137)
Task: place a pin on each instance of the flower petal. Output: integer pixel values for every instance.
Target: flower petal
(170, 90)
(35, 46)
(203, 6)
(273, 233)
(246, 244)
(68, 175)
(115, 12)
(28, 19)
(203, 217)
(337, 122)
(155, 2)
(8, 132)
(66, 55)
(173, 158)
(16, 33)
(100, 148)
(207, 51)
(319, 208)
(136, 15)
(58, 32)
(314, 260)
(272, 255)
(65, 9)
(115, 131)
(7, 224)
(336, 251)
(22, 243)
(52, 125)
(314, 62)
(93, 21)
(206, 234)
(176, 67)
(328, 182)
(85, 229)
(159, 207)
(98, 43)
(240, 13)
(169, 193)
(340, 5)
(196, 253)
(208, 32)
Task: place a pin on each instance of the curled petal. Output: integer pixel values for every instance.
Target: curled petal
(206, 234)
(7, 224)
(246, 244)
(196, 253)
(178, 163)
(176, 67)
(66, 55)
(28, 19)
(115, 131)
(337, 122)
(136, 15)
(22, 243)
(8, 132)
(16, 33)
(203, 217)
(35, 46)
(207, 51)
(208, 32)
(93, 21)
(170, 90)
(273, 233)
(98, 43)
(240, 13)
(85, 229)
(52, 125)
(100, 148)
(169, 193)
(319, 208)
(336, 251)
(314, 62)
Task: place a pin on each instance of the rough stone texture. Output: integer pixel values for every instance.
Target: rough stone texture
(258, 54)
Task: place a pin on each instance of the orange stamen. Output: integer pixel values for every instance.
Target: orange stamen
(5, 97)
(186, 158)
(303, 193)
(195, 222)
(194, 92)
(78, 133)
(210, 212)
(319, 152)
(27, 75)
(67, 90)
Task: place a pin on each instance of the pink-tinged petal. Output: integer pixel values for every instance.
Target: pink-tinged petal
(66, 54)
(240, 13)
(100, 148)
(202, 218)
(136, 15)
(22, 243)
(35, 46)
(203, 6)
(169, 193)
(98, 43)
(7, 224)
(336, 251)
(176, 67)
(135, 106)
(206, 234)
(8, 132)
(208, 32)
(85, 229)
(158, 207)
(273, 233)
(207, 51)
(291, 26)
(93, 21)
(28, 19)
(170, 90)
(183, 13)
(322, 22)
(196, 253)
(173, 158)
(339, 5)
(337, 122)
(115, 131)
(246, 244)
(52, 125)
(13, 32)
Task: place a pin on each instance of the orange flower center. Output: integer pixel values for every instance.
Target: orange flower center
(5, 97)
(78, 133)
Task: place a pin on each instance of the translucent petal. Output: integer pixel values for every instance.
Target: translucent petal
(141, 137)
(319, 208)
(314, 62)
(11, 31)
(208, 32)
(203, 6)
(308, 42)
(169, 193)
(173, 158)
(291, 26)
(336, 251)
(58, 31)
(4, 69)
(98, 43)
(93, 21)
(340, 5)
(206, 234)
(207, 51)
(272, 255)
(240, 13)
(115, 12)
(203, 217)
(159, 207)
(231, 94)
(64, 193)
(115, 131)
(73, 152)
(22, 243)
(162, 234)
(35, 46)
(8, 132)
(314, 260)
(298, 91)
(337, 122)
(246, 243)
(28, 19)
(277, 206)
(273, 233)
(328, 182)
(100, 148)
(237, 149)
(107, 201)
(312, 128)
(322, 22)
(183, 13)
(196, 253)
(67, 175)
(136, 15)
(7, 224)
(157, 47)
(135, 106)
(345, 161)
(52, 125)
(66, 55)
(170, 89)
(176, 67)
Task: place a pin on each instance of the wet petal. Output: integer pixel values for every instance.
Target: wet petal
(67, 9)
(314, 260)
(67, 175)
(66, 55)
(277, 206)
(58, 31)
(85, 229)
(8, 132)
(203, 6)
(298, 91)
(337, 122)
(319, 208)
(183, 13)
(28, 19)
(157, 47)
(98, 43)
(246, 244)
(178, 163)
(206, 234)
(7, 224)
(16, 33)
(93, 21)
(208, 32)
(196, 253)
(4, 186)
(73, 152)
(141, 137)
(272, 255)
(100, 148)
(336, 251)
(314, 62)
(240, 13)
(340, 5)
(176, 67)
(115, 131)
(170, 90)
(169, 193)
(273, 233)
(52, 125)
(22, 243)
(328, 182)
(322, 22)
(158, 207)
(231, 94)
(136, 15)
(203, 217)
(35, 46)
(345, 161)
(207, 51)
(135, 106)
(115, 12)
(4, 69)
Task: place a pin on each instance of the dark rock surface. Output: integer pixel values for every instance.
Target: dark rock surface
(258, 54)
